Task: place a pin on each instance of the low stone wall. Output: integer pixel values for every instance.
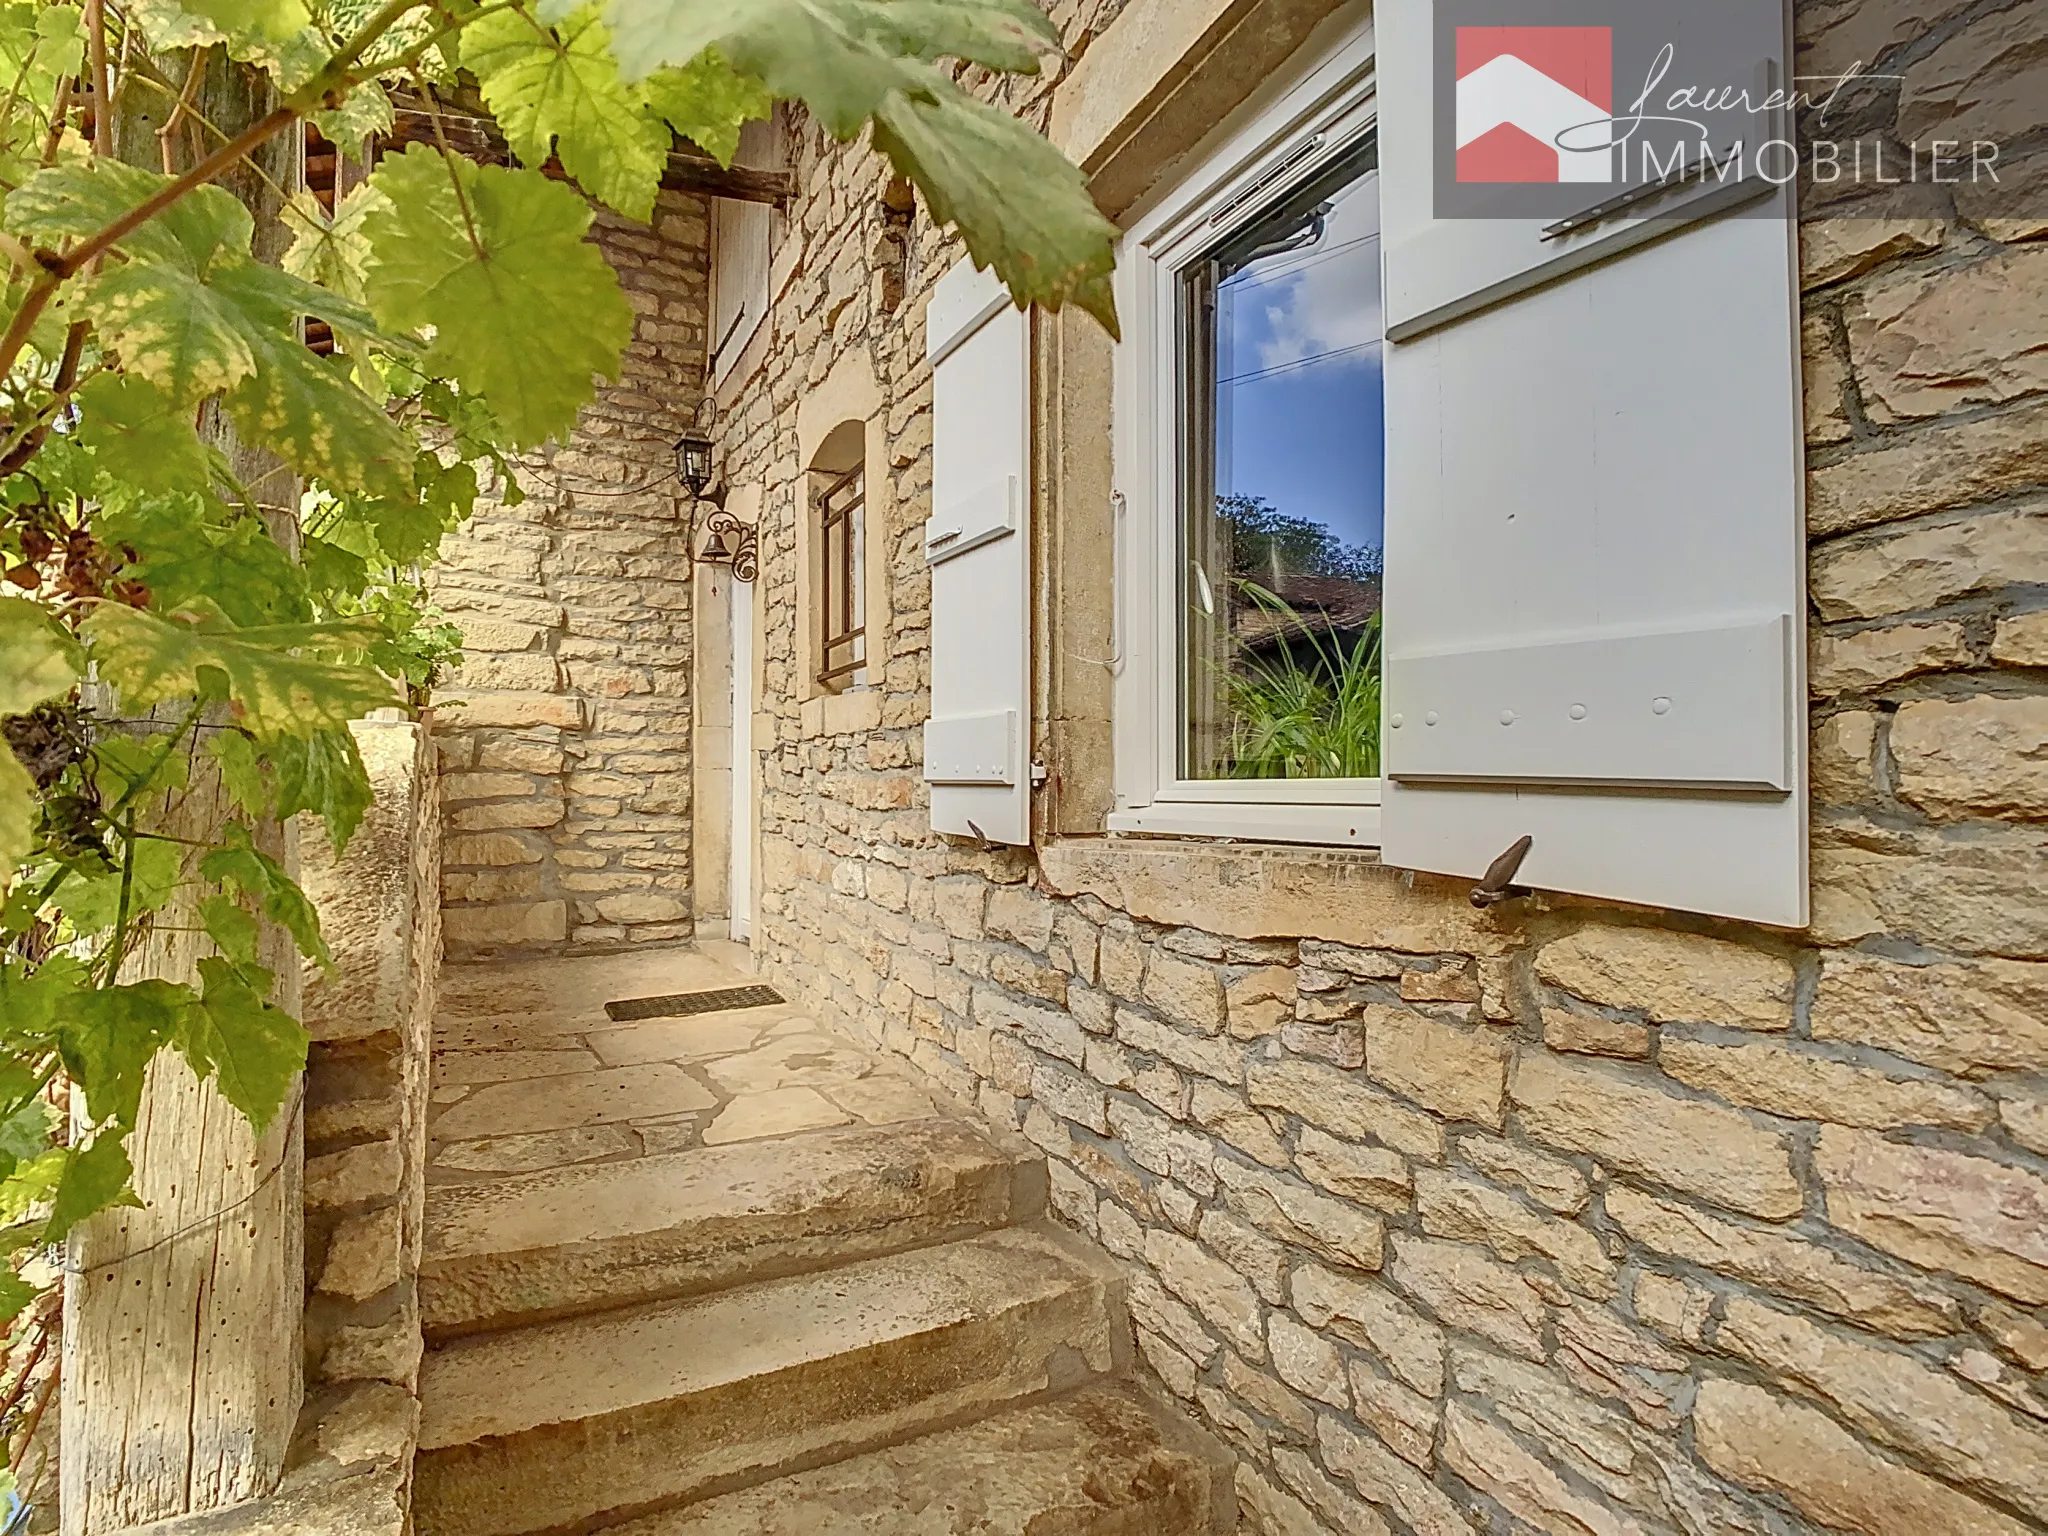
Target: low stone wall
(366, 1101)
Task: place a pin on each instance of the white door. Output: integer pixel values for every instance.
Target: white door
(740, 866)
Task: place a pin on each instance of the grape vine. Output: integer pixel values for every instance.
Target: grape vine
(170, 619)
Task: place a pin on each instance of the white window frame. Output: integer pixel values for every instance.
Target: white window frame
(1257, 156)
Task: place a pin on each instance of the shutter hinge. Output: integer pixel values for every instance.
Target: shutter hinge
(1039, 774)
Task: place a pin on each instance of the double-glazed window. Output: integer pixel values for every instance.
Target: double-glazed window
(1251, 448)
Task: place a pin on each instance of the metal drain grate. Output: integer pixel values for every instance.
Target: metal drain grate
(680, 1003)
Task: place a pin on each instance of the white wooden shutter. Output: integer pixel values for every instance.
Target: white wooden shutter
(1594, 537)
(977, 744)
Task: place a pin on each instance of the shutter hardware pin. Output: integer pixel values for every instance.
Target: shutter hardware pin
(1496, 885)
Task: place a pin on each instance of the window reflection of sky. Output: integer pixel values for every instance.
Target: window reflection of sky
(1298, 412)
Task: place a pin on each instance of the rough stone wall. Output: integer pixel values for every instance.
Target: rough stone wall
(366, 1130)
(1585, 1218)
(565, 734)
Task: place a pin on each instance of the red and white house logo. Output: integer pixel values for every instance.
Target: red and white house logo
(1535, 103)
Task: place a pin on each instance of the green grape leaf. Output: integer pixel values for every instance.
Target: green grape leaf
(232, 929)
(323, 773)
(30, 999)
(25, 1134)
(331, 252)
(81, 198)
(305, 409)
(1020, 204)
(241, 770)
(15, 1296)
(170, 328)
(562, 89)
(252, 1050)
(107, 1035)
(241, 566)
(525, 316)
(130, 769)
(841, 56)
(241, 864)
(38, 659)
(95, 1179)
(137, 434)
(93, 902)
(271, 21)
(39, 45)
(706, 101)
(408, 531)
(363, 113)
(30, 1185)
(1022, 207)
(278, 688)
(17, 812)
(331, 569)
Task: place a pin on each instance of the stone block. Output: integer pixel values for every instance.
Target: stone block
(1949, 1426)
(1928, 471)
(354, 1176)
(1466, 1289)
(493, 815)
(459, 787)
(1932, 563)
(1677, 1309)
(1872, 658)
(1386, 1479)
(1938, 1209)
(1373, 1175)
(1188, 992)
(1969, 1017)
(959, 902)
(1588, 1034)
(1774, 1445)
(1252, 1254)
(1672, 977)
(363, 1255)
(2025, 1118)
(1345, 1105)
(1840, 759)
(1260, 1001)
(1928, 343)
(1221, 1059)
(1986, 892)
(1340, 1043)
(1978, 756)
(1783, 1263)
(2022, 641)
(491, 885)
(1550, 1181)
(525, 671)
(642, 907)
(1523, 1483)
(491, 849)
(1803, 1086)
(1335, 1509)
(1306, 1361)
(1369, 1314)
(512, 711)
(507, 927)
(1046, 1029)
(1827, 382)
(1466, 1211)
(1406, 1420)
(1070, 1096)
(1459, 1073)
(1334, 1229)
(1216, 1291)
(1021, 915)
(1628, 1122)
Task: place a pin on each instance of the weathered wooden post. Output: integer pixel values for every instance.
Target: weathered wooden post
(182, 1366)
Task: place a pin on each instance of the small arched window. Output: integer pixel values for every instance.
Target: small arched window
(838, 493)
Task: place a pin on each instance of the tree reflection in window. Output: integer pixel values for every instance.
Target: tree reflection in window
(1283, 486)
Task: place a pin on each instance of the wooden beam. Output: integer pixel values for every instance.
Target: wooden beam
(701, 174)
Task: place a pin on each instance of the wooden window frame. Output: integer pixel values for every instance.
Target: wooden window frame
(842, 621)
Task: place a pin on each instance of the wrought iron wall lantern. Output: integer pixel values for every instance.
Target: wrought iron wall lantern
(697, 456)
(728, 541)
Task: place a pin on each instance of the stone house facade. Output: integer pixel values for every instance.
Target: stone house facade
(1564, 1214)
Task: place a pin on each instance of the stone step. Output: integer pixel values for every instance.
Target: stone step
(568, 1423)
(1106, 1461)
(590, 1238)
